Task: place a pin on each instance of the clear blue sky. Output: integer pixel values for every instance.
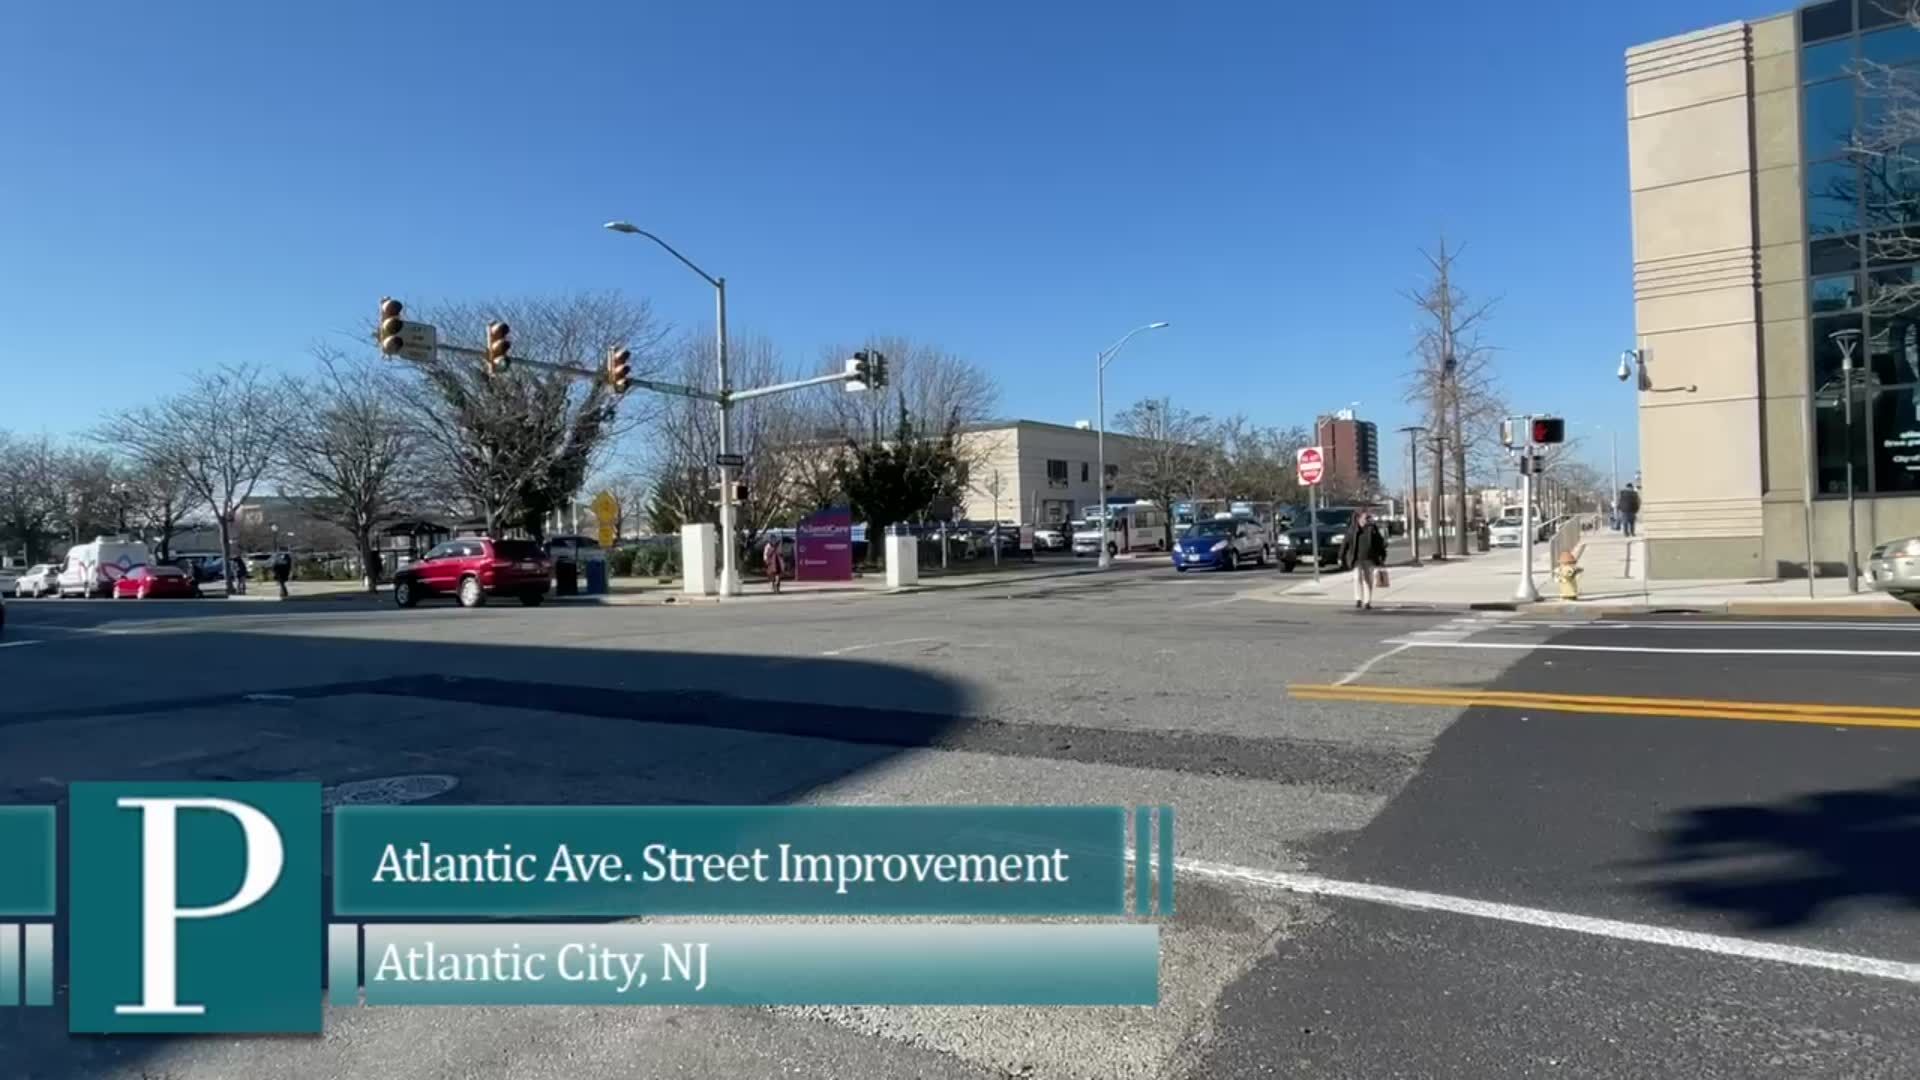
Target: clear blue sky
(1020, 182)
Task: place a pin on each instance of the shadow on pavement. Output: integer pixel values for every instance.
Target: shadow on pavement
(1793, 863)
(511, 722)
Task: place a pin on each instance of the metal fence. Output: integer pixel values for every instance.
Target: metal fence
(1567, 537)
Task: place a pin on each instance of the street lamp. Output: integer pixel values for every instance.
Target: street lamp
(1100, 400)
(1849, 340)
(729, 568)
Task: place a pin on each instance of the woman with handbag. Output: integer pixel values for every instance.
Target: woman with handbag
(1366, 551)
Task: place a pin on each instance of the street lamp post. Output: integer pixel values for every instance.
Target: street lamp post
(1100, 404)
(1848, 340)
(1413, 433)
(729, 565)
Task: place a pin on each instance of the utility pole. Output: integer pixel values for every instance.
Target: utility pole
(1440, 497)
(1413, 433)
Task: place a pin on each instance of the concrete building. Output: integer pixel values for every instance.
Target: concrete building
(1757, 234)
(1045, 473)
(1352, 449)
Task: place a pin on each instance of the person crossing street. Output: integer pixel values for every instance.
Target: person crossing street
(1364, 552)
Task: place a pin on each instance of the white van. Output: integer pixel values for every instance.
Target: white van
(93, 567)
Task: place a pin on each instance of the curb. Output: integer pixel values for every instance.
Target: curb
(1805, 609)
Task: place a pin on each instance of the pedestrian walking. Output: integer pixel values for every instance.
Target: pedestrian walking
(1364, 552)
(770, 556)
(282, 570)
(1629, 508)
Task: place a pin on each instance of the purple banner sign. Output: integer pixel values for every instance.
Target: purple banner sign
(823, 546)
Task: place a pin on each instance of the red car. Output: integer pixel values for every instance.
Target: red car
(473, 568)
(155, 582)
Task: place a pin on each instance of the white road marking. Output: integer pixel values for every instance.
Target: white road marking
(17, 644)
(268, 697)
(845, 649)
(1530, 646)
(1644, 933)
(1890, 626)
(1364, 668)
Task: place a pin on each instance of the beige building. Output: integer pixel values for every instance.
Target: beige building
(1044, 473)
(1762, 260)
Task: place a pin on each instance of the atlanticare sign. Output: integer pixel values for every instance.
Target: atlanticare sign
(193, 908)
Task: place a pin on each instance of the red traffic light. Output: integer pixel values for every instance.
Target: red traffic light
(1548, 430)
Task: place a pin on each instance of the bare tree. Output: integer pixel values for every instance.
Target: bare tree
(516, 447)
(769, 433)
(353, 460)
(30, 491)
(158, 503)
(221, 437)
(1171, 456)
(1256, 463)
(1453, 381)
(940, 389)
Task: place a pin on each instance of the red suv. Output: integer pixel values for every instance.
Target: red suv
(474, 568)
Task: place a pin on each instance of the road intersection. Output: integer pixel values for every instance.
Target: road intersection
(1412, 842)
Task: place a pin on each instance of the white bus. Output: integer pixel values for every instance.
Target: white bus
(1140, 526)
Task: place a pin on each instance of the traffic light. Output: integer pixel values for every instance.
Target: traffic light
(619, 368)
(1508, 433)
(499, 347)
(1548, 430)
(740, 492)
(387, 333)
(877, 368)
(859, 372)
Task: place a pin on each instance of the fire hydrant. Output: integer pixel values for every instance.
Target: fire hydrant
(1568, 575)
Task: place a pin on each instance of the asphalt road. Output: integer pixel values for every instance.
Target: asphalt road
(1370, 886)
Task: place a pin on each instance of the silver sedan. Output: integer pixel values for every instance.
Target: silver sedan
(1895, 567)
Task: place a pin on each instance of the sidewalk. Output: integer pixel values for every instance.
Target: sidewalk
(1611, 582)
(874, 582)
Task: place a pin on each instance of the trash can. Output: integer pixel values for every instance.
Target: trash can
(566, 577)
(596, 577)
(1485, 536)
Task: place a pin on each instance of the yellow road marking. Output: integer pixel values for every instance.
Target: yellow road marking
(1780, 712)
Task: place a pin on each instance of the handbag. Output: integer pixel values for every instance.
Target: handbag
(1380, 577)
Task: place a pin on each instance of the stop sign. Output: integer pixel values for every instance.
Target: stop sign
(1312, 464)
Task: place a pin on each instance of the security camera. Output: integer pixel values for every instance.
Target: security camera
(1626, 365)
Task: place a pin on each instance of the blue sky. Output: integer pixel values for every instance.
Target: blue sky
(1019, 182)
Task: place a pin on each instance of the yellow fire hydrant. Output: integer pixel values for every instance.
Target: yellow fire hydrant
(1568, 575)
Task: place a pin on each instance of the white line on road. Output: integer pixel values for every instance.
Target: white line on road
(17, 644)
(1530, 646)
(1368, 666)
(1865, 627)
(267, 697)
(845, 649)
(1719, 945)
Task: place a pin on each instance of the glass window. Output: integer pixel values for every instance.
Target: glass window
(1827, 60)
(1057, 470)
(1830, 439)
(1891, 247)
(1833, 255)
(1896, 440)
(1882, 12)
(1828, 117)
(1833, 198)
(1894, 45)
(1837, 293)
(1827, 353)
(1083, 472)
(1831, 19)
(1890, 188)
(1893, 352)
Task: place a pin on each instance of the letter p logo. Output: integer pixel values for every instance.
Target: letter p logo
(195, 907)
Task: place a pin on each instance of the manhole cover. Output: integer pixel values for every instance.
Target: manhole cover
(387, 790)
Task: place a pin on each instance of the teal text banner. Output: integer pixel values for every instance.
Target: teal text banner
(762, 964)
(534, 862)
(28, 867)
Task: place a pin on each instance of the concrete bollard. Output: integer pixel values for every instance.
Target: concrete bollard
(903, 560)
(699, 557)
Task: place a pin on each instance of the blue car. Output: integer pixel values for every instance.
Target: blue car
(1224, 544)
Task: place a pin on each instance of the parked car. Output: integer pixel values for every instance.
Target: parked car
(92, 568)
(1894, 567)
(156, 582)
(1505, 533)
(473, 568)
(1053, 537)
(1226, 543)
(41, 580)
